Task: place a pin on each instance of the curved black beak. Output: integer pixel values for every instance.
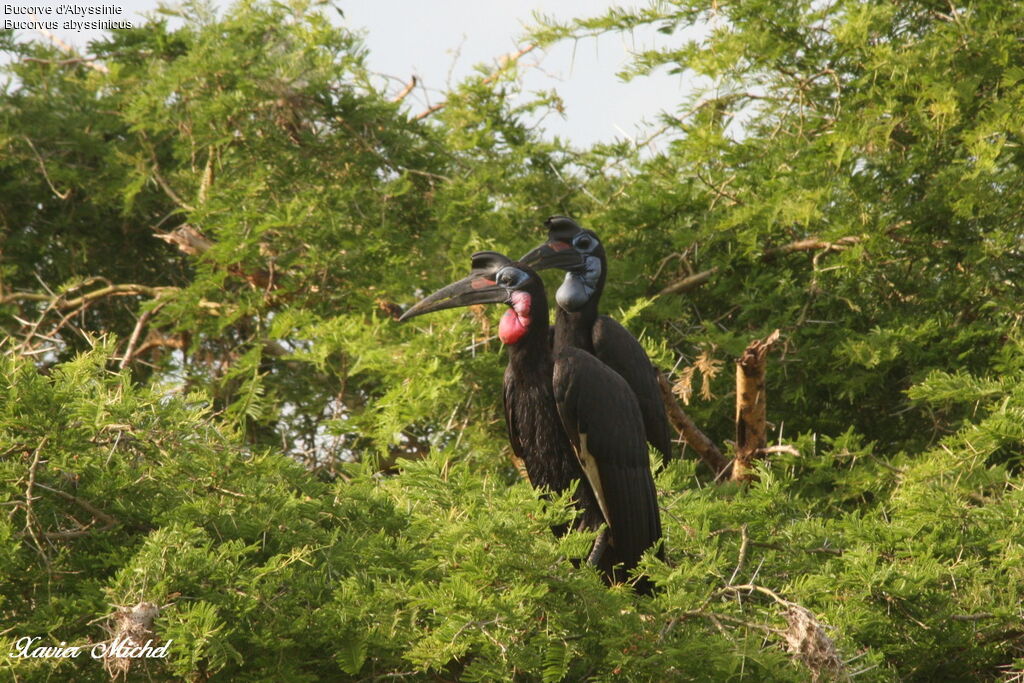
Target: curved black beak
(553, 254)
(476, 289)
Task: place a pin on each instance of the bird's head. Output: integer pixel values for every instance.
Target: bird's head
(494, 279)
(584, 280)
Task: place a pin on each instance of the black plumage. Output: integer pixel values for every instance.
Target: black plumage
(570, 418)
(579, 325)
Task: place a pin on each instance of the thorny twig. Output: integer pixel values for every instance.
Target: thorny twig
(84, 504)
(59, 302)
(705, 447)
(742, 559)
(133, 341)
(503, 65)
(91, 63)
(42, 166)
(820, 247)
(29, 514)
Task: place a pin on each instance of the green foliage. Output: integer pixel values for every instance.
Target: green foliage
(888, 131)
(206, 403)
(263, 571)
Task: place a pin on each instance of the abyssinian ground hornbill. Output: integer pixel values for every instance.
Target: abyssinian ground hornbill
(569, 416)
(579, 325)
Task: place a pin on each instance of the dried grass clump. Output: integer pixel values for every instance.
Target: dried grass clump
(806, 639)
(133, 626)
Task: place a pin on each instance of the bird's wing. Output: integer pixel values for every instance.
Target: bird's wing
(619, 350)
(509, 398)
(602, 419)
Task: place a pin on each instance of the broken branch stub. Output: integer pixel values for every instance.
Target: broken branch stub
(751, 406)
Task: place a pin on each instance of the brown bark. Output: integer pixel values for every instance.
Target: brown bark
(689, 282)
(810, 244)
(695, 438)
(751, 406)
(62, 304)
(406, 90)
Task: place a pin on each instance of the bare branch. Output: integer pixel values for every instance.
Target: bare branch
(42, 166)
(29, 515)
(696, 439)
(430, 110)
(168, 190)
(506, 62)
(779, 448)
(810, 244)
(88, 61)
(982, 616)
(695, 280)
(742, 559)
(115, 290)
(129, 352)
(84, 504)
(207, 181)
(110, 290)
(187, 239)
(70, 50)
(406, 90)
(156, 340)
(689, 282)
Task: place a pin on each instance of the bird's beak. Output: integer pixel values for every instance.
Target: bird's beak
(475, 289)
(553, 254)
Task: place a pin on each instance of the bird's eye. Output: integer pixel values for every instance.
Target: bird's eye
(584, 242)
(509, 277)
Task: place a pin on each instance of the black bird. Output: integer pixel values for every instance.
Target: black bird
(569, 416)
(578, 324)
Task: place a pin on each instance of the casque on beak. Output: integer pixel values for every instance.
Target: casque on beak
(477, 288)
(553, 254)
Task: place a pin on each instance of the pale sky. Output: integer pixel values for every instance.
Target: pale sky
(440, 41)
(441, 37)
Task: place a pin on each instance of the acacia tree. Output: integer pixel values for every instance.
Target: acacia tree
(848, 172)
(268, 207)
(206, 234)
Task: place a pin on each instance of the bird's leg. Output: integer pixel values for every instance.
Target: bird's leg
(599, 547)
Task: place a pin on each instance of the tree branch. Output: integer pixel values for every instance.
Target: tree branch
(110, 290)
(129, 352)
(406, 90)
(84, 504)
(695, 438)
(689, 282)
(695, 280)
(29, 514)
(91, 63)
(168, 190)
(810, 244)
(42, 166)
(504, 64)
(88, 61)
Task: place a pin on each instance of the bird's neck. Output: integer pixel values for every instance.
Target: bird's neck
(574, 329)
(524, 328)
